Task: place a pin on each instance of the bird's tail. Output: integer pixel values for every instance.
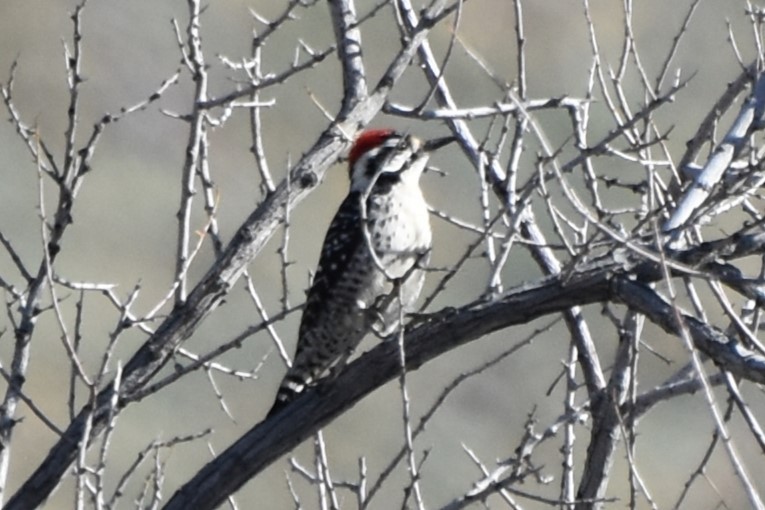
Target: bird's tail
(292, 386)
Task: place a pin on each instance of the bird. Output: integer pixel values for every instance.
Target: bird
(372, 261)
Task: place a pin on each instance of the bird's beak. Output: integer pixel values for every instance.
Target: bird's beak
(437, 143)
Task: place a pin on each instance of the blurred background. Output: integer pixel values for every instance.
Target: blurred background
(124, 231)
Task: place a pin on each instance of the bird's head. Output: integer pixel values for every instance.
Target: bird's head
(386, 156)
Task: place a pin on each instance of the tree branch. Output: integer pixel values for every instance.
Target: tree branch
(604, 280)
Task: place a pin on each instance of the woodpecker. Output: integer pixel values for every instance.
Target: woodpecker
(372, 259)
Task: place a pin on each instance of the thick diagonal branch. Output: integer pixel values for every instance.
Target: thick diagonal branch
(598, 282)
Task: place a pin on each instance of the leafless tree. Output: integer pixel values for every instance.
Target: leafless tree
(592, 311)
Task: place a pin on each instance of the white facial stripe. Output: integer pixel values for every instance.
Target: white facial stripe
(394, 155)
